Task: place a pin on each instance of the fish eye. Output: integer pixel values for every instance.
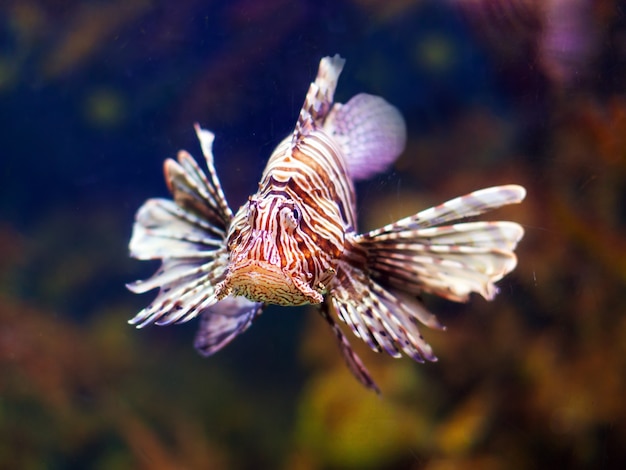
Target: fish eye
(290, 215)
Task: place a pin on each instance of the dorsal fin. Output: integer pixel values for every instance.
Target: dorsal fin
(370, 131)
(319, 98)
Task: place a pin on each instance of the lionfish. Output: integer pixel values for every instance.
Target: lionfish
(295, 241)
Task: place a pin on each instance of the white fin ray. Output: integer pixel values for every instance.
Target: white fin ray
(452, 280)
(414, 306)
(371, 133)
(193, 192)
(350, 284)
(418, 260)
(163, 229)
(175, 271)
(402, 320)
(469, 205)
(188, 235)
(222, 322)
(378, 317)
(452, 261)
(189, 193)
(180, 300)
(212, 183)
(474, 235)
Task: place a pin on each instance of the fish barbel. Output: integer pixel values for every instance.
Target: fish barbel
(295, 241)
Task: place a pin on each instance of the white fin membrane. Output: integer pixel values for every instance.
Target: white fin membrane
(371, 133)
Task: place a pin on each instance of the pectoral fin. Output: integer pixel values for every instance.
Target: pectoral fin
(188, 235)
(385, 321)
(418, 254)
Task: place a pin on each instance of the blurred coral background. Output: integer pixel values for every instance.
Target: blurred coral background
(94, 95)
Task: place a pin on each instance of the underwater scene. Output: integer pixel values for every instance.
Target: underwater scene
(524, 365)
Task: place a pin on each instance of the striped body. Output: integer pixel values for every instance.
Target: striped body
(286, 241)
(295, 241)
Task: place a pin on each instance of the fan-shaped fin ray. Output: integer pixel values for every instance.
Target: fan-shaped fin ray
(380, 318)
(469, 205)
(188, 235)
(180, 299)
(452, 261)
(163, 229)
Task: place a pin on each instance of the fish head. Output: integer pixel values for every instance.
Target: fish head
(270, 259)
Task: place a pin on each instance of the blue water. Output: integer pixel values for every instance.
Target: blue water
(94, 98)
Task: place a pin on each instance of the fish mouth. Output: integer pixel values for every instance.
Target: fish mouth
(260, 281)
